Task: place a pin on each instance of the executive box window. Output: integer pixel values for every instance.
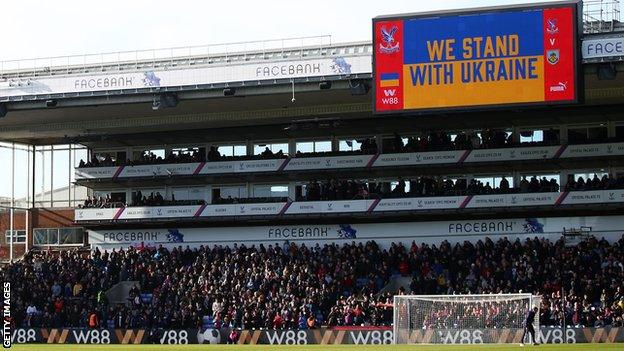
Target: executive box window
(110, 158)
(149, 156)
(19, 236)
(275, 148)
(231, 150)
(192, 193)
(280, 190)
(58, 236)
(585, 135)
(314, 146)
(619, 132)
(350, 145)
(226, 194)
(548, 136)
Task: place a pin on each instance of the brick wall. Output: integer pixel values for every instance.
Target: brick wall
(38, 218)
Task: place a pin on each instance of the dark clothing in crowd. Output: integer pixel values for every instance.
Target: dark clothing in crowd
(294, 286)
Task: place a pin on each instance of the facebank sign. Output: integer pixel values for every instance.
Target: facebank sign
(176, 77)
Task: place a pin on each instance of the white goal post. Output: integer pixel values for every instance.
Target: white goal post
(462, 319)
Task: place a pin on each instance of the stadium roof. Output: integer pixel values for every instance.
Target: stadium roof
(92, 116)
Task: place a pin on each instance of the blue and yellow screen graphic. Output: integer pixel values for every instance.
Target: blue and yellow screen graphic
(476, 59)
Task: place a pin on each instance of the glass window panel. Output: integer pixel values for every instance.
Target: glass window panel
(270, 191)
(322, 146)
(53, 236)
(233, 192)
(232, 150)
(58, 236)
(70, 236)
(275, 148)
(40, 236)
(306, 146)
(536, 136)
(19, 236)
(349, 145)
(279, 191)
(240, 150)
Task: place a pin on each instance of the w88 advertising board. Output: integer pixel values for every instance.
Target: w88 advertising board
(479, 58)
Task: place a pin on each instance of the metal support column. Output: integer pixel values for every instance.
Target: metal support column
(34, 158)
(12, 210)
(27, 204)
(51, 176)
(69, 182)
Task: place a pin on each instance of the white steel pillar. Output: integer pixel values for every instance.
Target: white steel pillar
(27, 210)
(42, 193)
(51, 176)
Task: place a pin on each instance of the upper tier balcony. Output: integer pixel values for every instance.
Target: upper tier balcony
(86, 175)
(359, 207)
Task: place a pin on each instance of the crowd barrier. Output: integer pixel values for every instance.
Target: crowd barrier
(327, 336)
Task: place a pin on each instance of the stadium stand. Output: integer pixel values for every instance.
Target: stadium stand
(335, 189)
(429, 141)
(341, 189)
(182, 187)
(292, 286)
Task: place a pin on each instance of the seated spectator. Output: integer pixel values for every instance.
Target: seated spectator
(267, 153)
(504, 185)
(214, 154)
(475, 140)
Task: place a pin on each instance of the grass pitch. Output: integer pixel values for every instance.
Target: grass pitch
(501, 347)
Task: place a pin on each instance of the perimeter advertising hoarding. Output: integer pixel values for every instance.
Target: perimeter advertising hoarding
(478, 58)
(323, 336)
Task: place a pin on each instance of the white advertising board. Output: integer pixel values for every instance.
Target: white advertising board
(201, 75)
(603, 47)
(433, 232)
(337, 162)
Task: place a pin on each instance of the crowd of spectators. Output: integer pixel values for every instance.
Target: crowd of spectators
(334, 189)
(179, 156)
(157, 199)
(146, 158)
(100, 202)
(594, 294)
(606, 182)
(281, 286)
(292, 286)
(462, 140)
(425, 186)
(138, 199)
(471, 313)
(430, 141)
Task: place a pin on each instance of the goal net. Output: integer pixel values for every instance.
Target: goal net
(462, 319)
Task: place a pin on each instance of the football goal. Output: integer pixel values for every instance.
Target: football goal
(462, 319)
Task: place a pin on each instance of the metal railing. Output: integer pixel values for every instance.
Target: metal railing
(164, 58)
(600, 16)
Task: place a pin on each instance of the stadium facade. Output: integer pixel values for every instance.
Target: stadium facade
(281, 119)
